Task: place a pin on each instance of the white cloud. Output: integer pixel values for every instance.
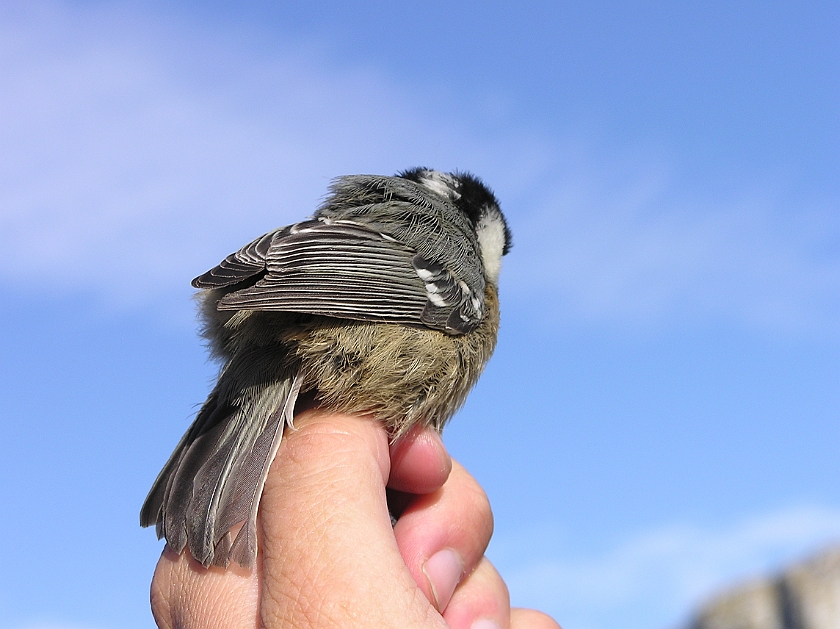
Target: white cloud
(625, 248)
(657, 577)
(135, 152)
(130, 149)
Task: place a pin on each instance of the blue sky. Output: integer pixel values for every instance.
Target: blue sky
(661, 416)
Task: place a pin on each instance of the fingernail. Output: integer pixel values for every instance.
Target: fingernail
(484, 623)
(443, 570)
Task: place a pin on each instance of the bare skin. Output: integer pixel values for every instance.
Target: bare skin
(329, 557)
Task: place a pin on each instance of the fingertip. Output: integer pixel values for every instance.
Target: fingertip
(331, 468)
(357, 436)
(444, 570)
(481, 601)
(531, 619)
(456, 517)
(420, 463)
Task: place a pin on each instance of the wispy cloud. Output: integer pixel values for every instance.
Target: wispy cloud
(136, 153)
(129, 153)
(657, 577)
(628, 247)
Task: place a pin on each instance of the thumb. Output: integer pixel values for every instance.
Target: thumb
(329, 556)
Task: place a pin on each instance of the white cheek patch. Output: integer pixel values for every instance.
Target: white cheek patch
(491, 239)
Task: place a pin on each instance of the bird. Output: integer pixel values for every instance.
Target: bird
(383, 303)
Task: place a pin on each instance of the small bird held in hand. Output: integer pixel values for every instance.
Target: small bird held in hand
(385, 303)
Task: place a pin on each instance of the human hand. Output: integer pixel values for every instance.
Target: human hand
(328, 554)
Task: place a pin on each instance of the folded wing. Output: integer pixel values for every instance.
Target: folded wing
(343, 269)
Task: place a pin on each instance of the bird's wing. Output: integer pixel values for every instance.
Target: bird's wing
(343, 269)
(238, 267)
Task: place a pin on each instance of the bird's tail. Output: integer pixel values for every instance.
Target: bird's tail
(213, 481)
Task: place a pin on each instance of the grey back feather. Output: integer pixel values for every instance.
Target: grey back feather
(372, 253)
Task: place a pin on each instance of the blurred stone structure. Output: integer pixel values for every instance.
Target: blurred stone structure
(805, 596)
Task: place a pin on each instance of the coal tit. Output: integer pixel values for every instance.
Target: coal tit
(385, 303)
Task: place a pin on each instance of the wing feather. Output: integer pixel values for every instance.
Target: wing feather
(342, 268)
(239, 266)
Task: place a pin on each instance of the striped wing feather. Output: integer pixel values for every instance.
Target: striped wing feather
(339, 270)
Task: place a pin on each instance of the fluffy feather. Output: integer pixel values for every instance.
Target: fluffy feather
(384, 304)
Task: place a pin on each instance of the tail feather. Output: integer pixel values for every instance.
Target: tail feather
(160, 499)
(214, 479)
(180, 485)
(209, 481)
(243, 500)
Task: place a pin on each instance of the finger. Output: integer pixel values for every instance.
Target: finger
(329, 552)
(481, 601)
(185, 594)
(531, 619)
(442, 536)
(420, 463)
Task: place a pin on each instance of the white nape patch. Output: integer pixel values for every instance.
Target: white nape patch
(441, 183)
(424, 274)
(491, 239)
